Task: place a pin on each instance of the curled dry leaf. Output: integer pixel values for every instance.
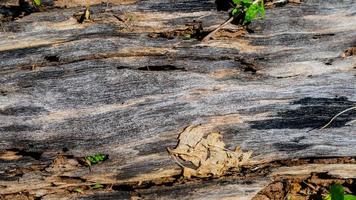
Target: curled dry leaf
(207, 152)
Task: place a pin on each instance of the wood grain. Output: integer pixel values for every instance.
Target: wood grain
(119, 85)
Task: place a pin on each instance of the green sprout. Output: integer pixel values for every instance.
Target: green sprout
(96, 186)
(247, 10)
(79, 190)
(250, 9)
(337, 192)
(37, 2)
(95, 159)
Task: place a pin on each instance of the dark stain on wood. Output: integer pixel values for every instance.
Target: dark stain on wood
(160, 68)
(291, 146)
(52, 58)
(24, 152)
(23, 111)
(155, 147)
(312, 113)
(18, 128)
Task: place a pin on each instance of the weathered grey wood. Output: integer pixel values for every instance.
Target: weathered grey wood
(111, 86)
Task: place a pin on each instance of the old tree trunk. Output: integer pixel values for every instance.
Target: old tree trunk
(128, 81)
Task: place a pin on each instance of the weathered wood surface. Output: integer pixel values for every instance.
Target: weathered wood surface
(117, 85)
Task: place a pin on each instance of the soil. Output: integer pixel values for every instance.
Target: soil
(315, 187)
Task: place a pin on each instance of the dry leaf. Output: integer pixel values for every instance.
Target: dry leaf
(207, 153)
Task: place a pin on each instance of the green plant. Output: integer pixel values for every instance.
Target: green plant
(337, 192)
(249, 9)
(37, 2)
(79, 190)
(95, 159)
(96, 186)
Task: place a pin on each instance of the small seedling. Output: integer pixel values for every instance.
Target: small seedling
(247, 10)
(95, 159)
(37, 2)
(187, 37)
(96, 186)
(79, 190)
(337, 192)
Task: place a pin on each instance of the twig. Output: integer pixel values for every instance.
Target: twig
(310, 185)
(206, 38)
(340, 113)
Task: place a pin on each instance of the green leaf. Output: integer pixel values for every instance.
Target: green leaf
(254, 11)
(78, 190)
(187, 37)
(337, 192)
(247, 1)
(236, 2)
(328, 197)
(349, 197)
(261, 9)
(95, 159)
(37, 2)
(235, 11)
(242, 2)
(289, 197)
(251, 13)
(96, 186)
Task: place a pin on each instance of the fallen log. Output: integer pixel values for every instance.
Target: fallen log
(131, 80)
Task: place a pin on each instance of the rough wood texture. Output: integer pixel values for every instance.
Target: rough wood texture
(127, 84)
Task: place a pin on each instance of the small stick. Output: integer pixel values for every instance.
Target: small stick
(206, 38)
(340, 113)
(310, 185)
